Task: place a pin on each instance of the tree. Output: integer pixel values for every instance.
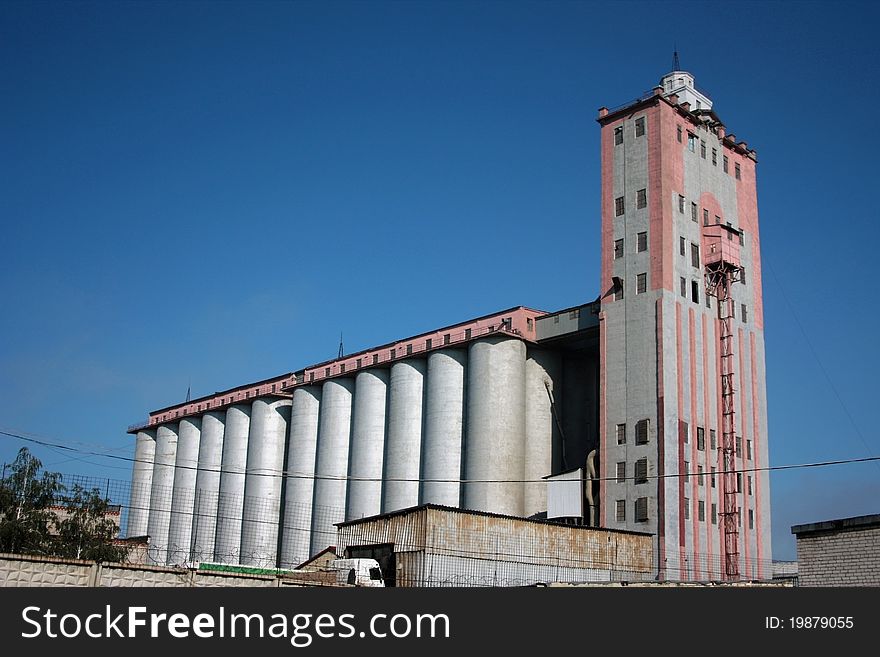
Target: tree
(25, 499)
(28, 524)
(86, 532)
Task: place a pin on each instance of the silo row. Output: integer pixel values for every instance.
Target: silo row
(471, 424)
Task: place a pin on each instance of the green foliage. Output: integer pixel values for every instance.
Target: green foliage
(78, 527)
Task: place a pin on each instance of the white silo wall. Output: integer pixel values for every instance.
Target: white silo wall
(543, 368)
(208, 485)
(161, 492)
(331, 462)
(262, 495)
(495, 445)
(404, 448)
(227, 543)
(296, 526)
(367, 444)
(183, 500)
(444, 424)
(141, 483)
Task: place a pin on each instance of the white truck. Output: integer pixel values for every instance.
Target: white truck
(357, 572)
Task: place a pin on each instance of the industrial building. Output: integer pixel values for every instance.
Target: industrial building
(841, 552)
(654, 393)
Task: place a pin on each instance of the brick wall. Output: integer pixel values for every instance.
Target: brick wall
(839, 557)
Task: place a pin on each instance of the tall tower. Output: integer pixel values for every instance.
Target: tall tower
(683, 411)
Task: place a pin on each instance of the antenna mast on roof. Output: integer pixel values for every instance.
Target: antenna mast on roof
(676, 66)
(341, 351)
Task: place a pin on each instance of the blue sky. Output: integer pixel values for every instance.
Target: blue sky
(207, 194)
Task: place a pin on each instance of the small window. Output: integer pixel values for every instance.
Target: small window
(620, 510)
(749, 481)
(640, 126)
(530, 325)
(430, 343)
(641, 283)
(618, 249)
(618, 291)
(713, 445)
(703, 149)
(742, 275)
(684, 287)
(684, 431)
(705, 217)
(642, 198)
(678, 133)
(708, 301)
(680, 203)
(714, 157)
(700, 475)
(701, 511)
(695, 255)
(618, 136)
(467, 334)
(739, 482)
(408, 349)
(618, 206)
(692, 142)
(342, 368)
(687, 471)
(751, 519)
(375, 574)
(718, 221)
(737, 172)
(621, 434)
(712, 478)
(694, 212)
(695, 292)
(749, 449)
(642, 432)
(739, 446)
(446, 338)
(641, 509)
(640, 476)
(393, 354)
(742, 238)
(687, 508)
(744, 313)
(701, 439)
(311, 377)
(724, 164)
(682, 245)
(375, 359)
(714, 513)
(326, 371)
(621, 472)
(642, 242)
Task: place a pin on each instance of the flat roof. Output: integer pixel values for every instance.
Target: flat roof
(842, 524)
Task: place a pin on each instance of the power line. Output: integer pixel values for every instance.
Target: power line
(301, 475)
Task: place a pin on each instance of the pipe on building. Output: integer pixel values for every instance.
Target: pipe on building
(296, 526)
(444, 427)
(161, 492)
(227, 543)
(331, 462)
(404, 447)
(141, 483)
(208, 485)
(495, 445)
(367, 444)
(543, 369)
(262, 497)
(183, 500)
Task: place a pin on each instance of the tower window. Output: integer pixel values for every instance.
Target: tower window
(621, 434)
(394, 352)
(695, 292)
(700, 475)
(714, 513)
(744, 314)
(687, 508)
(446, 338)
(618, 291)
(681, 245)
(684, 287)
(751, 519)
(695, 255)
(621, 472)
(618, 249)
(714, 157)
(618, 136)
(640, 126)
(737, 171)
(712, 478)
(749, 449)
(705, 217)
(640, 475)
(684, 431)
(749, 481)
(702, 149)
(618, 206)
(678, 135)
(620, 510)
(680, 203)
(642, 198)
(692, 142)
(641, 509)
(687, 471)
(725, 164)
(739, 446)
(701, 438)
(641, 283)
(430, 342)
(742, 238)
(739, 482)
(642, 242)
(693, 211)
(713, 445)
(642, 432)
(701, 511)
